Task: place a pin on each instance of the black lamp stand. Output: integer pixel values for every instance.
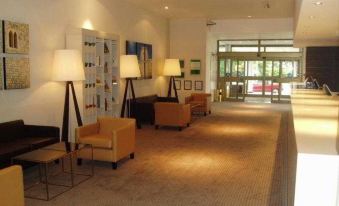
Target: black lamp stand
(169, 94)
(122, 114)
(65, 121)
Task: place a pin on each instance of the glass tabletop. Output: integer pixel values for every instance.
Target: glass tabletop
(41, 156)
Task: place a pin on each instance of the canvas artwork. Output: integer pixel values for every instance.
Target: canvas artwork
(144, 53)
(1, 73)
(1, 37)
(17, 73)
(195, 66)
(16, 37)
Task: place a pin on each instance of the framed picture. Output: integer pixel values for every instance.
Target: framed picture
(145, 54)
(182, 75)
(187, 85)
(195, 66)
(178, 84)
(1, 73)
(16, 73)
(16, 36)
(198, 85)
(182, 63)
(1, 38)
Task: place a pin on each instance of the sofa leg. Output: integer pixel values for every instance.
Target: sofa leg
(179, 128)
(205, 113)
(156, 126)
(188, 124)
(114, 165)
(131, 155)
(210, 112)
(79, 161)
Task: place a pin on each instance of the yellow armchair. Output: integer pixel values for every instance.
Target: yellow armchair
(172, 114)
(11, 186)
(112, 139)
(203, 100)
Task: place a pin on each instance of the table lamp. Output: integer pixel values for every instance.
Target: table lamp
(129, 69)
(172, 69)
(68, 67)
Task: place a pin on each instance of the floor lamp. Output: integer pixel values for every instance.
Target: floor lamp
(129, 69)
(68, 67)
(172, 69)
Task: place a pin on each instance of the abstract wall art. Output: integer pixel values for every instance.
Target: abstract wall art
(1, 73)
(145, 55)
(16, 36)
(16, 73)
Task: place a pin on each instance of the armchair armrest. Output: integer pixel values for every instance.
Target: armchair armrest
(124, 139)
(86, 130)
(41, 131)
(11, 186)
(186, 113)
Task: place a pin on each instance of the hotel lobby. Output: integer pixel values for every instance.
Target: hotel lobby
(168, 102)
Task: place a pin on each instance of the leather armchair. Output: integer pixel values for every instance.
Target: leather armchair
(11, 186)
(112, 139)
(202, 100)
(172, 114)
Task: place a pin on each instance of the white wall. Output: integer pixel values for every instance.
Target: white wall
(48, 20)
(188, 41)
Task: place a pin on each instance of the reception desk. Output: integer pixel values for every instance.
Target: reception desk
(315, 118)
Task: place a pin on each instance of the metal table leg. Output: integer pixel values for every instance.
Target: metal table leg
(46, 179)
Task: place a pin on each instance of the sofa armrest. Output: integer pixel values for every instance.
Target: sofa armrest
(11, 186)
(124, 139)
(41, 131)
(86, 130)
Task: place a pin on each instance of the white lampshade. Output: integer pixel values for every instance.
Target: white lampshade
(172, 67)
(129, 66)
(68, 66)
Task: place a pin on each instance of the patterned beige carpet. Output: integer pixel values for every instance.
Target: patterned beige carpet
(233, 157)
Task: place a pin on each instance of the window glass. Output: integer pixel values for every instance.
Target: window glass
(222, 68)
(269, 68)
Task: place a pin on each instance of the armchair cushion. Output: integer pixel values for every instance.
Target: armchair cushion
(11, 186)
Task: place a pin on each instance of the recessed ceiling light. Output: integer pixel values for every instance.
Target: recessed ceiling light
(311, 17)
(166, 7)
(318, 3)
(249, 16)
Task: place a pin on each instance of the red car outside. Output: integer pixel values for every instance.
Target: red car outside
(268, 88)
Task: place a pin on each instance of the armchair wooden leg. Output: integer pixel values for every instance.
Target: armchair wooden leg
(79, 161)
(210, 112)
(205, 113)
(56, 161)
(156, 126)
(188, 124)
(114, 165)
(179, 128)
(131, 155)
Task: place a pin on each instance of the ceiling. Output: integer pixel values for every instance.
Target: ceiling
(317, 25)
(219, 9)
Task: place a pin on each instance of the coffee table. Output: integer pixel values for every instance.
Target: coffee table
(47, 155)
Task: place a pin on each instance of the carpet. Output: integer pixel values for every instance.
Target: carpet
(235, 156)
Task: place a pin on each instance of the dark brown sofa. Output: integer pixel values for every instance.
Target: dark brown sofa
(17, 138)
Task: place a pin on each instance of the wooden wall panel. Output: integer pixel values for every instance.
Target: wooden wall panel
(322, 63)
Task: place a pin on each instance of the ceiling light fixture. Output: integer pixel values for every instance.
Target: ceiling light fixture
(311, 17)
(249, 16)
(318, 3)
(166, 7)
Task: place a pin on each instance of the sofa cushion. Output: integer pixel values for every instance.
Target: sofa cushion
(11, 149)
(38, 142)
(97, 140)
(10, 131)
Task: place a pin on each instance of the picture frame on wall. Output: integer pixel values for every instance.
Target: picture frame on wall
(198, 85)
(195, 66)
(182, 75)
(178, 84)
(16, 73)
(1, 73)
(16, 37)
(182, 63)
(187, 85)
(144, 52)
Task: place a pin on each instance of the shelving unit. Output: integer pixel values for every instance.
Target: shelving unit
(101, 88)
